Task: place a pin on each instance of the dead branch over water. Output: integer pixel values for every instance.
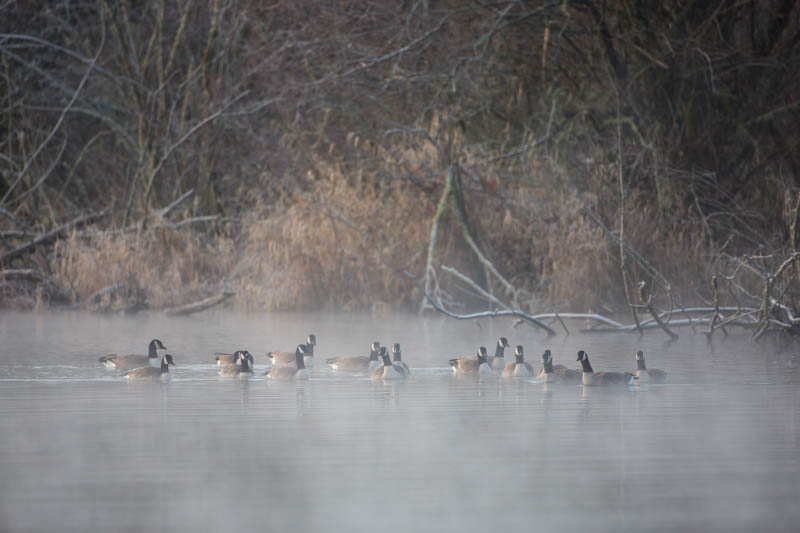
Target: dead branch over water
(202, 305)
(773, 313)
(51, 236)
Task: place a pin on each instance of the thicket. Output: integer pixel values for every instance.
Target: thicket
(337, 154)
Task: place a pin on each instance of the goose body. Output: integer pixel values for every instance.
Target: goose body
(130, 361)
(568, 375)
(288, 358)
(148, 373)
(387, 371)
(289, 373)
(358, 363)
(590, 378)
(472, 366)
(398, 363)
(242, 365)
(224, 359)
(518, 368)
(648, 375)
(495, 362)
(541, 372)
(551, 373)
(498, 362)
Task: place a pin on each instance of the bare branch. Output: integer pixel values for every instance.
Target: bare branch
(488, 314)
(202, 305)
(58, 122)
(165, 211)
(53, 235)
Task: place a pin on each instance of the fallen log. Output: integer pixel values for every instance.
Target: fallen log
(16, 278)
(202, 305)
(27, 274)
(53, 235)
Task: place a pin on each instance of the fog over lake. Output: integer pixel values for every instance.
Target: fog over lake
(717, 448)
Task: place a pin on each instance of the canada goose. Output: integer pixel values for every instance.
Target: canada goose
(648, 375)
(150, 373)
(126, 362)
(560, 373)
(387, 371)
(498, 362)
(518, 368)
(602, 378)
(290, 373)
(398, 363)
(230, 358)
(478, 365)
(225, 358)
(502, 344)
(243, 369)
(288, 358)
(357, 363)
(546, 373)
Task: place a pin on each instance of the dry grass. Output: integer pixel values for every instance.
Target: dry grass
(325, 248)
(345, 244)
(169, 265)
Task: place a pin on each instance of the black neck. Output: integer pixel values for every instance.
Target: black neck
(548, 367)
(386, 360)
(500, 350)
(520, 358)
(640, 364)
(152, 352)
(396, 356)
(586, 366)
(245, 364)
(373, 355)
(309, 348)
(481, 359)
(300, 363)
(164, 366)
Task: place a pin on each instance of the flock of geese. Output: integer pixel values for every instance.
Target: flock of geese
(289, 366)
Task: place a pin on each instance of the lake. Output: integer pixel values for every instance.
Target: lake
(717, 448)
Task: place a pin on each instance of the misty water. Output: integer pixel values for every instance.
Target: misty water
(717, 448)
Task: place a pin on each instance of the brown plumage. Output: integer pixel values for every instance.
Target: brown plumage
(358, 363)
(474, 365)
(648, 375)
(567, 375)
(387, 371)
(398, 363)
(242, 365)
(518, 368)
(590, 378)
(288, 358)
(557, 373)
(150, 373)
(224, 359)
(289, 373)
(129, 361)
(498, 361)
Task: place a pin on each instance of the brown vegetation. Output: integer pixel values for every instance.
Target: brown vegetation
(322, 139)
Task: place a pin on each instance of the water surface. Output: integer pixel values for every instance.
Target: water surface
(715, 449)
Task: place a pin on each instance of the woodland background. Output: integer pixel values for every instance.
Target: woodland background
(335, 155)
